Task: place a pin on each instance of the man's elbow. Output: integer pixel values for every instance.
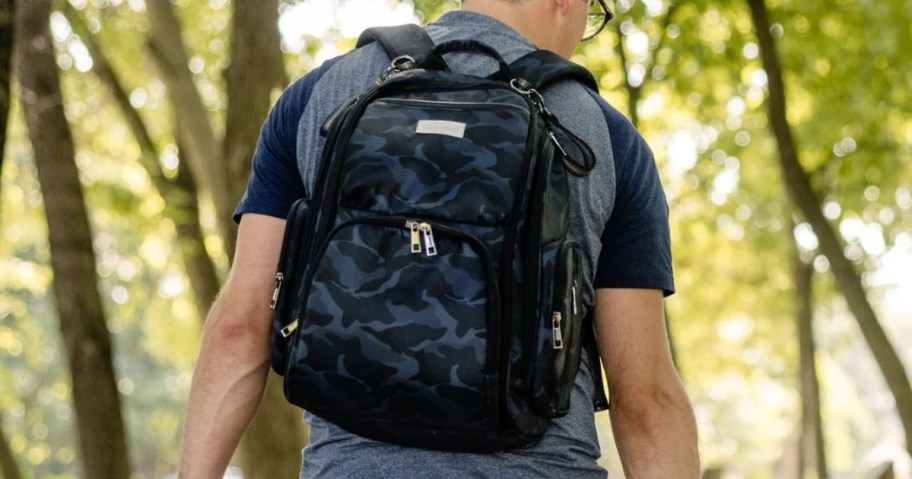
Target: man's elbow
(652, 408)
(237, 329)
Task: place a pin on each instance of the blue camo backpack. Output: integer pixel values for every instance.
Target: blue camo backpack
(428, 294)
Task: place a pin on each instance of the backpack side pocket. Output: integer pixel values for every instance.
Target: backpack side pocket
(558, 333)
(293, 243)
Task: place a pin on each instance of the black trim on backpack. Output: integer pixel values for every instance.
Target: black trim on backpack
(600, 396)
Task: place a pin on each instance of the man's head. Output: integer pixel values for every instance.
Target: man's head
(556, 25)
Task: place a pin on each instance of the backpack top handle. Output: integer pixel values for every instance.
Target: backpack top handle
(407, 40)
(503, 73)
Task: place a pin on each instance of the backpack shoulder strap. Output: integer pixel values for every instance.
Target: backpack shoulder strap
(541, 68)
(405, 40)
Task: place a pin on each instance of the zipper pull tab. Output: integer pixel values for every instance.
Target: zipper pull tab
(287, 330)
(557, 337)
(275, 292)
(412, 225)
(560, 147)
(429, 245)
(575, 309)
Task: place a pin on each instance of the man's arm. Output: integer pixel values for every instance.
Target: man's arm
(232, 367)
(651, 416)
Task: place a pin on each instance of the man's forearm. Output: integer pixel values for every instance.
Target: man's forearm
(656, 436)
(227, 387)
(230, 374)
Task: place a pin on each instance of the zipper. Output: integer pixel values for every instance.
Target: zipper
(288, 262)
(290, 329)
(573, 293)
(557, 337)
(447, 105)
(533, 245)
(415, 235)
(510, 245)
(429, 245)
(279, 277)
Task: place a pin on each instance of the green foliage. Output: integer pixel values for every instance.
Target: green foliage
(702, 111)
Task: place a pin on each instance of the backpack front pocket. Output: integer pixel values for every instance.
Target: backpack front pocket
(558, 333)
(396, 326)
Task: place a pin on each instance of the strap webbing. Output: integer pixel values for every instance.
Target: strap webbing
(409, 39)
(541, 68)
(600, 400)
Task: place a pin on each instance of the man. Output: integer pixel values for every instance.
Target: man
(619, 215)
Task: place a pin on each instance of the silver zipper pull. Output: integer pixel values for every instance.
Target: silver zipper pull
(275, 292)
(557, 337)
(429, 245)
(287, 330)
(560, 147)
(575, 309)
(412, 225)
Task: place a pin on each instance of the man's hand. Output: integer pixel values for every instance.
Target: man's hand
(232, 367)
(651, 416)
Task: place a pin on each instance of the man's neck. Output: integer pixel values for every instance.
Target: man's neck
(521, 17)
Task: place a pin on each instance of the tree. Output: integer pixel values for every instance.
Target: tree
(79, 306)
(9, 467)
(798, 186)
(271, 448)
(811, 452)
(179, 193)
(7, 11)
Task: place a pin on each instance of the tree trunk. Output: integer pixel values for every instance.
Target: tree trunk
(85, 336)
(179, 194)
(812, 458)
(798, 186)
(635, 92)
(712, 473)
(183, 210)
(272, 445)
(165, 41)
(7, 12)
(9, 467)
(255, 71)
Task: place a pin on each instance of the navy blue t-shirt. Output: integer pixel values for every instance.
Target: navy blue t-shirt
(636, 251)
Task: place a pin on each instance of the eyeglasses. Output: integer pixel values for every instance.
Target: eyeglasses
(599, 16)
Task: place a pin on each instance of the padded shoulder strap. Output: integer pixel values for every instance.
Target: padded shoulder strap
(408, 39)
(541, 68)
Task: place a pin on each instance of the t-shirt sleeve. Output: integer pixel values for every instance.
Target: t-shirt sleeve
(636, 246)
(275, 182)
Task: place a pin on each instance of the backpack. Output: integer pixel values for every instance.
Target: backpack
(428, 294)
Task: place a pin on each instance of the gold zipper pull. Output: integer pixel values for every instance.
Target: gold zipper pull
(288, 330)
(557, 337)
(275, 292)
(412, 225)
(429, 245)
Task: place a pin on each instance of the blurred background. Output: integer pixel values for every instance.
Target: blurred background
(782, 130)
